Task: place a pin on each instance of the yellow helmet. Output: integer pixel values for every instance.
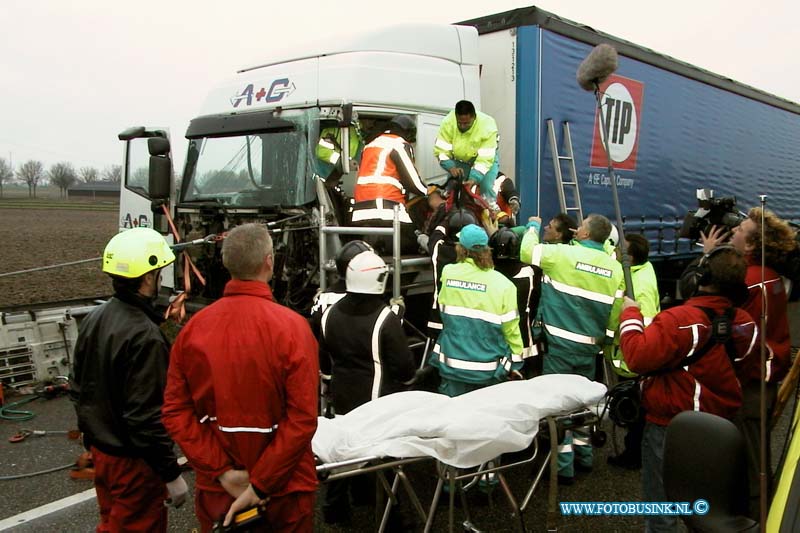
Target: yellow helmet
(135, 252)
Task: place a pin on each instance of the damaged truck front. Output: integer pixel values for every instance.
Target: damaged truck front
(253, 152)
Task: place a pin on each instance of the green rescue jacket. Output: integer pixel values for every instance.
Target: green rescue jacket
(480, 340)
(329, 148)
(582, 289)
(645, 290)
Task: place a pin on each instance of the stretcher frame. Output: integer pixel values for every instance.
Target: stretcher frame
(459, 479)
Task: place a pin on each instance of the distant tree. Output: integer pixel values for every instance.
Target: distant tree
(62, 175)
(31, 172)
(6, 174)
(88, 174)
(113, 173)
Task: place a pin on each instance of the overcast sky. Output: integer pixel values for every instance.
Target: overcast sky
(75, 73)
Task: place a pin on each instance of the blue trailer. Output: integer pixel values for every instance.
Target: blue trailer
(674, 128)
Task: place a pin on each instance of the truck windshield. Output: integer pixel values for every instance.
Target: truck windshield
(261, 169)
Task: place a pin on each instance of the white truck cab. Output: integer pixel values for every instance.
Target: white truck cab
(252, 149)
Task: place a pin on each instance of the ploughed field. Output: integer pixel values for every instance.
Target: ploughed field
(42, 234)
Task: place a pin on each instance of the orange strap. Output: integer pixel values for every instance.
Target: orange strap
(177, 308)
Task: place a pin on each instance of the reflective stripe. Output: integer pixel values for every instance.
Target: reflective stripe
(631, 327)
(574, 337)
(376, 352)
(477, 314)
(565, 448)
(580, 442)
(619, 294)
(774, 280)
(524, 272)
(695, 337)
(324, 143)
(434, 325)
(486, 152)
(631, 321)
(460, 364)
(379, 180)
(203, 420)
(444, 145)
(481, 167)
(324, 320)
(360, 215)
(441, 229)
(334, 158)
(324, 300)
(536, 257)
(517, 357)
(577, 291)
(752, 344)
(444, 157)
(696, 395)
(648, 320)
(529, 351)
(244, 429)
(609, 333)
(768, 364)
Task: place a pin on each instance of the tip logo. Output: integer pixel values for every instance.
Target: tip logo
(622, 114)
(277, 91)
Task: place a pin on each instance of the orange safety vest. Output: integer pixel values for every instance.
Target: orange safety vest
(378, 176)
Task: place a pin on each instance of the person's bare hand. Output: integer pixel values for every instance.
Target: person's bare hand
(246, 500)
(456, 172)
(488, 224)
(629, 302)
(235, 482)
(715, 237)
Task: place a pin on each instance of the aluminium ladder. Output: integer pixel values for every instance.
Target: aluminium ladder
(569, 158)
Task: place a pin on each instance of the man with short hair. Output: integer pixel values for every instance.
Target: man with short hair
(560, 230)
(117, 386)
(466, 147)
(778, 242)
(689, 359)
(582, 289)
(241, 397)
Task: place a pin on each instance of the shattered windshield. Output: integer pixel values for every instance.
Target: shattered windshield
(261, 169)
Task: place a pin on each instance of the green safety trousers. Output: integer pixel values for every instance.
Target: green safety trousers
(576, 445)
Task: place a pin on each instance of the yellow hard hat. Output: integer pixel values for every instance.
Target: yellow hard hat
(135, 252)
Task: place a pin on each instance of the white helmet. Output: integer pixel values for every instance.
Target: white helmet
(366, 274)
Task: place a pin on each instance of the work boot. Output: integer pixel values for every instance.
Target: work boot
(626, 461)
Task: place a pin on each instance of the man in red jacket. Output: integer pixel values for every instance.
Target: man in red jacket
(778, 242)
(686, 363)
(241, 396)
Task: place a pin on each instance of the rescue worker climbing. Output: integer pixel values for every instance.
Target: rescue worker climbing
(329, 163)
(582, 289)
(117, 386)
(386, 177)
(466, 147)
(480, 343)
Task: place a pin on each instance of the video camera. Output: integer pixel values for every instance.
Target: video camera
(710, 212)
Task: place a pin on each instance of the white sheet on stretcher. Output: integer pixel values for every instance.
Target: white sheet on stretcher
(464, 431)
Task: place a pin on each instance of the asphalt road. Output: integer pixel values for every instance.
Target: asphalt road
(604, 483)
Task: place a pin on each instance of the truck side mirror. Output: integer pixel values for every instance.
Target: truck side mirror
(160, 168)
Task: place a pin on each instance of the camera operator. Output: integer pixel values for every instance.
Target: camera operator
(778, 240)
(685, 356)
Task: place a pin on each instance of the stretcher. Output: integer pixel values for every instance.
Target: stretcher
(465, 436)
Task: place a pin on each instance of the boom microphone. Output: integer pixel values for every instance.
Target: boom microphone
(598, 65)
